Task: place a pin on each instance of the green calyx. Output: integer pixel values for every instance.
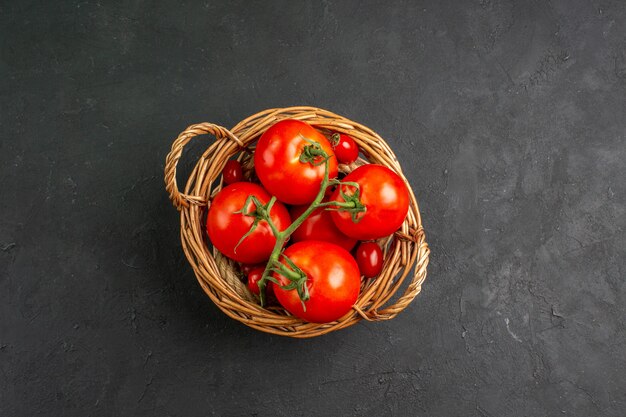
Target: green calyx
(259, 212)
(296, 276)
(351, 200)
(313, 154)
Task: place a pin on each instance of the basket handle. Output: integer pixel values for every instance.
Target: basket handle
(415, 286)
(179, 199)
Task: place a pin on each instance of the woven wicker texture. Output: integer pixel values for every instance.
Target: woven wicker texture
(406, 252)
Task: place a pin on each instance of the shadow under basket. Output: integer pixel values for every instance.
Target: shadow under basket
(405, 252)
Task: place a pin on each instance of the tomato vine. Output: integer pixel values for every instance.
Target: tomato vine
(312, 154)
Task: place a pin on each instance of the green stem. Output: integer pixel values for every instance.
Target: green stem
(282, 237)
(269, 218)
(339, 204)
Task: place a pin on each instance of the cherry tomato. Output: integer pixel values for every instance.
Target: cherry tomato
(369, 257)
(345, 148)
(319, 226)
(277, 161)
(254, 276)
(246, 268)
(225, 227)
(333, 281)
(232, 172)
(386, 199)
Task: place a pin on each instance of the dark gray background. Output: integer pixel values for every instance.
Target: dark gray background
(509, 120)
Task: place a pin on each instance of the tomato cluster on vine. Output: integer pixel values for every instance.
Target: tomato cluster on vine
(295, 233)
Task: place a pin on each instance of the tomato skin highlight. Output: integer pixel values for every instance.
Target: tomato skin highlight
(369, 257)
(386, 199)
(277, 161)
(319, 226)
(346, 149)
(232, 172)
(333, 280)
(225, 227)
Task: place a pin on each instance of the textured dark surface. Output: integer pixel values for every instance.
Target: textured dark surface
(509, 118)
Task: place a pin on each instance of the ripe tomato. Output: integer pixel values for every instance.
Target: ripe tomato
(369, 257)
(232, 172)
(226, 228)
(254, 276)
(386, 199)
(277, 161)
(246, 268)
(333, 281)
(319, 226)
(345, 148)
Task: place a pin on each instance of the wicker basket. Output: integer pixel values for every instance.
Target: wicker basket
(219, 277)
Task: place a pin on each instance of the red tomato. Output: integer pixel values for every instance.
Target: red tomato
(277, 161)
(333, 281)
(369, 257)
(246, 268)
(319, 226)
(254, 276)
(226, 228)
(232, 172)
(345, 148)
(386, 199)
